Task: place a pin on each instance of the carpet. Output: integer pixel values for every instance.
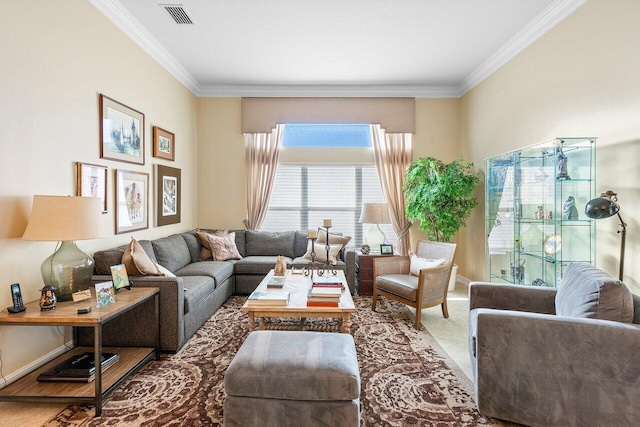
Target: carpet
(406, 378)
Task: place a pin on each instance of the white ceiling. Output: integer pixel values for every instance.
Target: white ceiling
(422, 48)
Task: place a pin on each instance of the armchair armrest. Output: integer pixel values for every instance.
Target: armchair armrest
(391, 265)
(534, 299)
(540, 369)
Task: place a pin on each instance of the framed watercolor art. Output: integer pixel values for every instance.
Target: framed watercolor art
(121, 132)
(132, 201)
(168, 195)
(92, 182)
(164, 144)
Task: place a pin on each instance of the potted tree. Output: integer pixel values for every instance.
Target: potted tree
(440, 196)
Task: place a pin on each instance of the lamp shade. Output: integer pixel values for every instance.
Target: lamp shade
(375, 213)
(62, 218)
(601, 207)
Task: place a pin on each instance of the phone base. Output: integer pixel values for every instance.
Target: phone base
(16, 309)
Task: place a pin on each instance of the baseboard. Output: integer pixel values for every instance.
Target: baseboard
(462, 280)
(16, 375)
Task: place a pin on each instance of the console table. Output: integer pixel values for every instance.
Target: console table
(28, 388)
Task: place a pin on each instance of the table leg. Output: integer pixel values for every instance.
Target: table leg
(157, 324)
(251, 322)
(97, 352)
(261, 324)
(346, 323)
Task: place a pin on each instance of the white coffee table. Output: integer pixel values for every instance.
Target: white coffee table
(298, 286)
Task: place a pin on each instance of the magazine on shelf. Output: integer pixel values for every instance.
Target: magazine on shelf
(78, 368)
(268, 298)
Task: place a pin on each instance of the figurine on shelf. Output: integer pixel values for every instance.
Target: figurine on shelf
(365, 249)
(569, 210)
(539, 214)
(549, 215)
(561, 164)
(48, 298)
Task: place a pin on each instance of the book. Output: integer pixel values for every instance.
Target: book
(322, 298)
(328, 281)
(276, 298)
(275, 282)
(323, 291)
(78, 368)
(313, 303)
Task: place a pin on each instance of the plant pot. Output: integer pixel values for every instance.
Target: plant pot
(452, 280)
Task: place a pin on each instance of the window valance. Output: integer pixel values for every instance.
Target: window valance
(395, 115)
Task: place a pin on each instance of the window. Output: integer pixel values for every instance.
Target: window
(305, 194)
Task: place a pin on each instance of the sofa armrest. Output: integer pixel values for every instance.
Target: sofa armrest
(350, 269)
(534, 299)
(540, 369)
(171, 300)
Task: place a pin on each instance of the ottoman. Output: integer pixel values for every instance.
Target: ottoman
(293, 378)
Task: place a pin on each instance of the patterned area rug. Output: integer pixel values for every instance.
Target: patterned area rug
(406, 379)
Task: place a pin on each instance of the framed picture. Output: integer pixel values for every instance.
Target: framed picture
(168, 195)
(91, 181)
(120, 277)
(164, 144)
(121, 132)
(386, 249)
(132, 201)
(105, 294)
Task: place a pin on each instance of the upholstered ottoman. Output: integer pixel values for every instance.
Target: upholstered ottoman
(293, 378)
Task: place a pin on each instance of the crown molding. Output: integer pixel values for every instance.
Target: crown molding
(122, 19)
(233, 91)
(546, 20)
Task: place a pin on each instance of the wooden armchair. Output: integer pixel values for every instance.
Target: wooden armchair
(392, 278)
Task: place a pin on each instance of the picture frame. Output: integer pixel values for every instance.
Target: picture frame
(91, 181)
(132, 201)
(168, 195)
(164, 144)
(105, 294)
(120, 277)
(121, 132)
(386, 249)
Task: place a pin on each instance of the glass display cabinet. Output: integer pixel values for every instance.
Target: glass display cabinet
(534, 214)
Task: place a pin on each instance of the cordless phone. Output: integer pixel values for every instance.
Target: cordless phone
(16, 296)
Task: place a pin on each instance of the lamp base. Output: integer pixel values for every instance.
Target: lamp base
(375, 238)
(68, 270)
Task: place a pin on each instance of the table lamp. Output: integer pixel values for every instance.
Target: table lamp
(606, 206)
(65, 219)
(375, 213)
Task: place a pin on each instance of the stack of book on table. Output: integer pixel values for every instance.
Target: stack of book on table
(325, 292)
(276, 282)
(78, 368)
(272, 298)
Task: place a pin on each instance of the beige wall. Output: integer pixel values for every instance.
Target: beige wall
(582, 78)
(55, 64)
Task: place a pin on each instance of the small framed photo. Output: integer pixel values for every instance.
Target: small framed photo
(91, 181)
(132, 201)
(121, 132)
(105, 294)
(168, 195)
(386, 249)
(120, 277)
(164, 144)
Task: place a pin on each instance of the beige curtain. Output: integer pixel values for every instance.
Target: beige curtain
(392, 154)
(262, 151)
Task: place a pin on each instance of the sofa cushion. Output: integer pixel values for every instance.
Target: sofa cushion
(193, 244)
(218, 270)
(636, 309)
(203, 238)
(224, 248)
(334, 238)
(172, 252)
(264, 243)
(196, 288)
(137, 262)
(586, 291)
(258, 264)
(403, 285)
(301, 243)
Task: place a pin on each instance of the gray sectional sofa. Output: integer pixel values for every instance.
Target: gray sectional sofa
(200, 287)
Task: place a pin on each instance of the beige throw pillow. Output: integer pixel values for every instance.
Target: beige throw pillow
(321, 252)
(137, 262)
(205, 252)
(333, 238)
(224, 248)
(418, 263)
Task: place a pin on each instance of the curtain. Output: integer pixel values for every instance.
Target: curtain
(392, 154)
(262, 151)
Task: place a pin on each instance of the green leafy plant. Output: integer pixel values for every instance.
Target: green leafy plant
(440, 195)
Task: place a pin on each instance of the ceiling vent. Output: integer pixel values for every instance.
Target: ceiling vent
(178, 13)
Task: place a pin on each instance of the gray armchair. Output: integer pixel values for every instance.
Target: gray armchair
(533, 367)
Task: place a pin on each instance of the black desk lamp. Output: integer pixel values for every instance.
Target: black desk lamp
(606, 206)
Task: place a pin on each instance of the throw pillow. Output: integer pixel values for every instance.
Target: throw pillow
(205, 252)
(321, 252)
(418, 263)
(164, 271)
(137, 262)
(333, 238)
(224, 248)
(586, 291)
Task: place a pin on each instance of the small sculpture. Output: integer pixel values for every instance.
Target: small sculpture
(569, 210)
(549, 215)
(539, 214)
(281, 267)
(561, 164)
(365, 249)
(48, 298)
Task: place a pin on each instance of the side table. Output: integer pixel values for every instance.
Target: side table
(28, 388)
(364, 271)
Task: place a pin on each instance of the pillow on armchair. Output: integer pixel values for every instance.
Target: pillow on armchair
(586, 291)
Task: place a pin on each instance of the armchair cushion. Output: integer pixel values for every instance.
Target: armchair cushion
(403, 285)
(418, 263)
(586, 291)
